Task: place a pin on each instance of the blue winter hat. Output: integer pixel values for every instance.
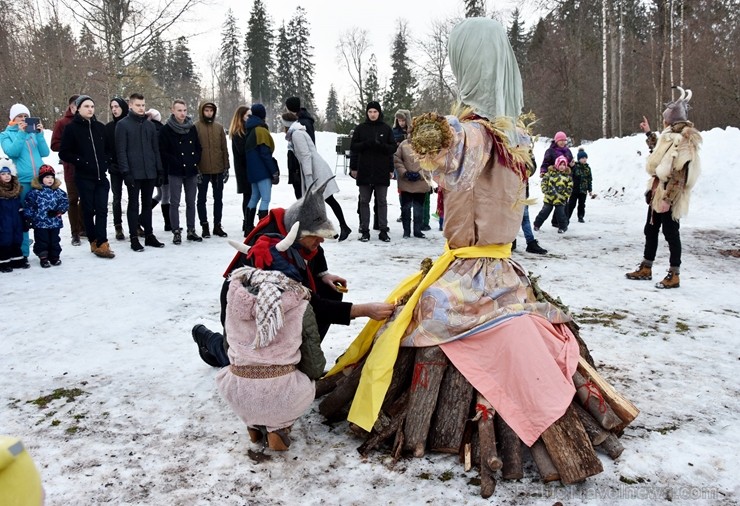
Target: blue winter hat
(581, 154)
(5, 170)
(259, 111)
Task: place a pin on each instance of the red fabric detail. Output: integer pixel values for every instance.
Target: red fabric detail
(484, 411)
(593, 391)
(421, 374)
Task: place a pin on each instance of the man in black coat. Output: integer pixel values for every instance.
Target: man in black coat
(119, 110)
(84, 146)
(371, 164)
(293, 104)
(137, 152)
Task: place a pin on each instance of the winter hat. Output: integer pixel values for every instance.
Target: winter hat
(293, 104)
(678, 110)
(310, 212)
(122, 104)
(561, 160)
(560, 136)
(17, 109)
(46, 170)
(259, 111)
(5, 170)
(154, 115)
(581, 154)
(374, 105)
(83, 98)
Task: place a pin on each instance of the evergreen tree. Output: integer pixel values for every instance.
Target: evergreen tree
(286, 85)
(475, 8)
(517, 38)
(230, 55)
(155, 61)
(402, 86)
(332, 110)
(372, 85)
(182, 79)
(258, 50)
(302, 54)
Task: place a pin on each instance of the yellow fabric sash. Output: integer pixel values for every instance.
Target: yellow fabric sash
(378, 369)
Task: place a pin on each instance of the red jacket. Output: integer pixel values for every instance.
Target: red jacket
(56, 141)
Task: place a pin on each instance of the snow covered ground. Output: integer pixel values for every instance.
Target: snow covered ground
(144, 424)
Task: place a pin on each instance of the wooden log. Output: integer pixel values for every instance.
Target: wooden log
(593, 401)
(335, 405)
(327, 384)
(621, 406)
(429, 368)
(595, 431)
(466, 446)
(489, 461)
(570, 449)
(611, 446)
(544, 464)
(511, 451)
(453, 406)
(396, 415)
(401, 378)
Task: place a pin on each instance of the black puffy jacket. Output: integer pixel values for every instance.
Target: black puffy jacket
(84, 146)
(372, 149)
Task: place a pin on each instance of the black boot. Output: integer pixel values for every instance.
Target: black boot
(166, 216)
(262, 214)
(219, 231)
(206, 233)
(201, 335)
(249, 221)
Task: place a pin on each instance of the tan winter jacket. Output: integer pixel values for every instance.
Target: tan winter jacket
(404, 161)
(215, 156)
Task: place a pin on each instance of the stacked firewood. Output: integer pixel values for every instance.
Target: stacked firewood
(430, 406)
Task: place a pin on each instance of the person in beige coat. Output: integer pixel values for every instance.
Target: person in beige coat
(213, 167)
(413, 187)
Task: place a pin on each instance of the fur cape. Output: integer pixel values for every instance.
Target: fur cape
(676, 165)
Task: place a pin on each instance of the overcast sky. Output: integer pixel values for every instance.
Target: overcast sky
(328, 19)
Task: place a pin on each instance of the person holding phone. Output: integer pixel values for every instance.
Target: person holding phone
(23, 142)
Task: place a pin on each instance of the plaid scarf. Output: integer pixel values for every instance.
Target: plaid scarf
(268, 287)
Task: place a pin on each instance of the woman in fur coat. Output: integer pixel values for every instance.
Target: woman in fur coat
(674, 167)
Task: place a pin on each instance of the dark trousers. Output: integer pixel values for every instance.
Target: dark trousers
(670, 231)
(415, 202)
(298, 188)
(74, 214)
(337, 209)
(577, 200)
(46, 243)
(145, 188)
(217, 181)
(94, 203)
(381, 194)
(116, 185)
(175, 186)
(560, 217)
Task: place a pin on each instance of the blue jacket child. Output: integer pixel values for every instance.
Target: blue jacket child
(44, 205)
(11, 224)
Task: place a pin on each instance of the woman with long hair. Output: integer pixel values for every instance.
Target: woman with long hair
(238, 134)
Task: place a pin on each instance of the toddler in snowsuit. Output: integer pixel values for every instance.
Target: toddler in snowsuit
(44, 205)
(11, 223)
(556, 189)
(582, 181)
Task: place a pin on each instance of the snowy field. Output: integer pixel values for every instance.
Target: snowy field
(145, 425)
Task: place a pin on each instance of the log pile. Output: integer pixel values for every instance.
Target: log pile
(430, 406)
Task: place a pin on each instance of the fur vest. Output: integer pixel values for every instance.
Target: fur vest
(674, 167)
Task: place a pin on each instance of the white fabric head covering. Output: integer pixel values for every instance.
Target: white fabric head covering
(485, 67)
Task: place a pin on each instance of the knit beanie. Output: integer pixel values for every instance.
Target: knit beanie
(17, 109)
(46, 170)
(374, 105)
(259, 111)
(581, 154)
(83, 98)
(293, 104)
(561, 160)
(5, 170)
(560, 136)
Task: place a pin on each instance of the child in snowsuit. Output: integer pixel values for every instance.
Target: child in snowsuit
(44, 205)
(556, 189)
(11, 223)
(582, 181)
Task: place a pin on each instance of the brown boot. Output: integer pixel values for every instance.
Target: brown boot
(643, 271)
(104, 251)
(256, 434)
(670, 281)
(93, 246)
(279, 440)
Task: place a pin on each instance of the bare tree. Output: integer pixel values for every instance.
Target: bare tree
(438, 88)
(352, 50)
(124, 28)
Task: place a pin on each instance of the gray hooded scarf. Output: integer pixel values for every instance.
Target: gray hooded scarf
(486, 70)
